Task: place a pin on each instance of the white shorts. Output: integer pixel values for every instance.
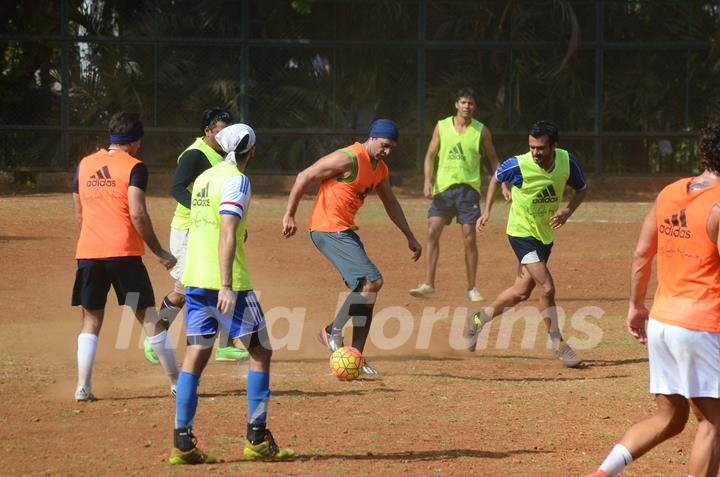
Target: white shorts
(683, 361)
(178, 247)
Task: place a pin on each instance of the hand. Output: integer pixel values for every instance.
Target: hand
(636, 324)
(289, 226)
(559, 219)
(427, 190)
(226, 300)
(415, 247)
(166, 259)
(506, 192)
(480, 224)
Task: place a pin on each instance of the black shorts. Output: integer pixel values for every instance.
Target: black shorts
(461, 201)
(127, 275)
(530, 250)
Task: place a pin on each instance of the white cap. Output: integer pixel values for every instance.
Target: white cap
(231, 136)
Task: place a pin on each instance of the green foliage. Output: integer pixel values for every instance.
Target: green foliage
(285, 85)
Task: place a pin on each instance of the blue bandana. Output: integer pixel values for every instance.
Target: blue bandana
(137, 133)
(385, 128)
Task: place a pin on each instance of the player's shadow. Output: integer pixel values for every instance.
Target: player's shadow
(8, 238)
(391, 358)
(418, 456)
(605, 363)
(516, 380)
(299, 393)
(132, 398)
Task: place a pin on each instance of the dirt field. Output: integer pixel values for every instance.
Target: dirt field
(503, 410)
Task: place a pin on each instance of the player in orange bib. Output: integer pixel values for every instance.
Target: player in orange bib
(682, 330)
(346, 177)
(109, 196)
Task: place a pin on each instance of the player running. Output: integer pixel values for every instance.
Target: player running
(538, 178)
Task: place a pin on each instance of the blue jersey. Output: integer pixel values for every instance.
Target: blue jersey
(509, 171)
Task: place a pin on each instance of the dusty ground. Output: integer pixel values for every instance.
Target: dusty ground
(504, 410)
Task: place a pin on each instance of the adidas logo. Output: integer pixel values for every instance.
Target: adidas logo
(546, 196)
(676, 226)
(456, 153)
(202, 199)
(101, 178)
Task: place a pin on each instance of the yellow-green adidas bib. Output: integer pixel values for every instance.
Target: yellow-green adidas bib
(539, 198)
(459, 156)
(202, 263)
(181, 218)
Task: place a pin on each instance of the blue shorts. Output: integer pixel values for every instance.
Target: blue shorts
(530, 250)
(202, 316)
(461, 201)
(346, 252)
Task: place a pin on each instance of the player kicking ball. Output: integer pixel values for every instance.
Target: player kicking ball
(218, 290)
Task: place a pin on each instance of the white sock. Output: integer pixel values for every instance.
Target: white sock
(166, 355)
(618, 458)
(86, 348)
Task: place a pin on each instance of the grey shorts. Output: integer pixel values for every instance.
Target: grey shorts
(461, 201)
(346, 252)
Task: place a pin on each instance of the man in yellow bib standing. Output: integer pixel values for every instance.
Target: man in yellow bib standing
(346, 177)
(219, 292)
(538, 178)
(455, 192)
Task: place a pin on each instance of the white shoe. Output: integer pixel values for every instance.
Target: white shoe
(423, 291)
(566, 354)
(173, 390)
(83, 394)
(474, 295)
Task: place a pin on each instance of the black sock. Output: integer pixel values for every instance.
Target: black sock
(256, 433)
(184, 439)
(169, 310)
(361, 325)
(353, 300)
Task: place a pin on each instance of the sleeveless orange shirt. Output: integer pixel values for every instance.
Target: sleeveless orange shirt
(106, 231)
(339, 199)
(688, 264)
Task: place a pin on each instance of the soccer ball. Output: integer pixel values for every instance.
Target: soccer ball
(346, 363)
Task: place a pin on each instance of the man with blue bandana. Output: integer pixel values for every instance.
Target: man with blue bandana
(346, 177)
(109, 196)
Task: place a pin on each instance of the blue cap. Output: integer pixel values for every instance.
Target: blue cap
(385, 128)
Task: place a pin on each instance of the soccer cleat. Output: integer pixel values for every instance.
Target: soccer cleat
(474, 295)
(598, 473)
(192, 457)
(230, 353)
(423, 291)
(267, 449)
(566, 354)
(331, 341)
(370, 372)
(149, 352)
(473, 326)
(83, 394)
(173, 390)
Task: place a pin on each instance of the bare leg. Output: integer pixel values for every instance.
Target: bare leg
(432, 248)
(544, 281)
(705, 454)
(471, 253)
(668, 421)
(518, 292)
